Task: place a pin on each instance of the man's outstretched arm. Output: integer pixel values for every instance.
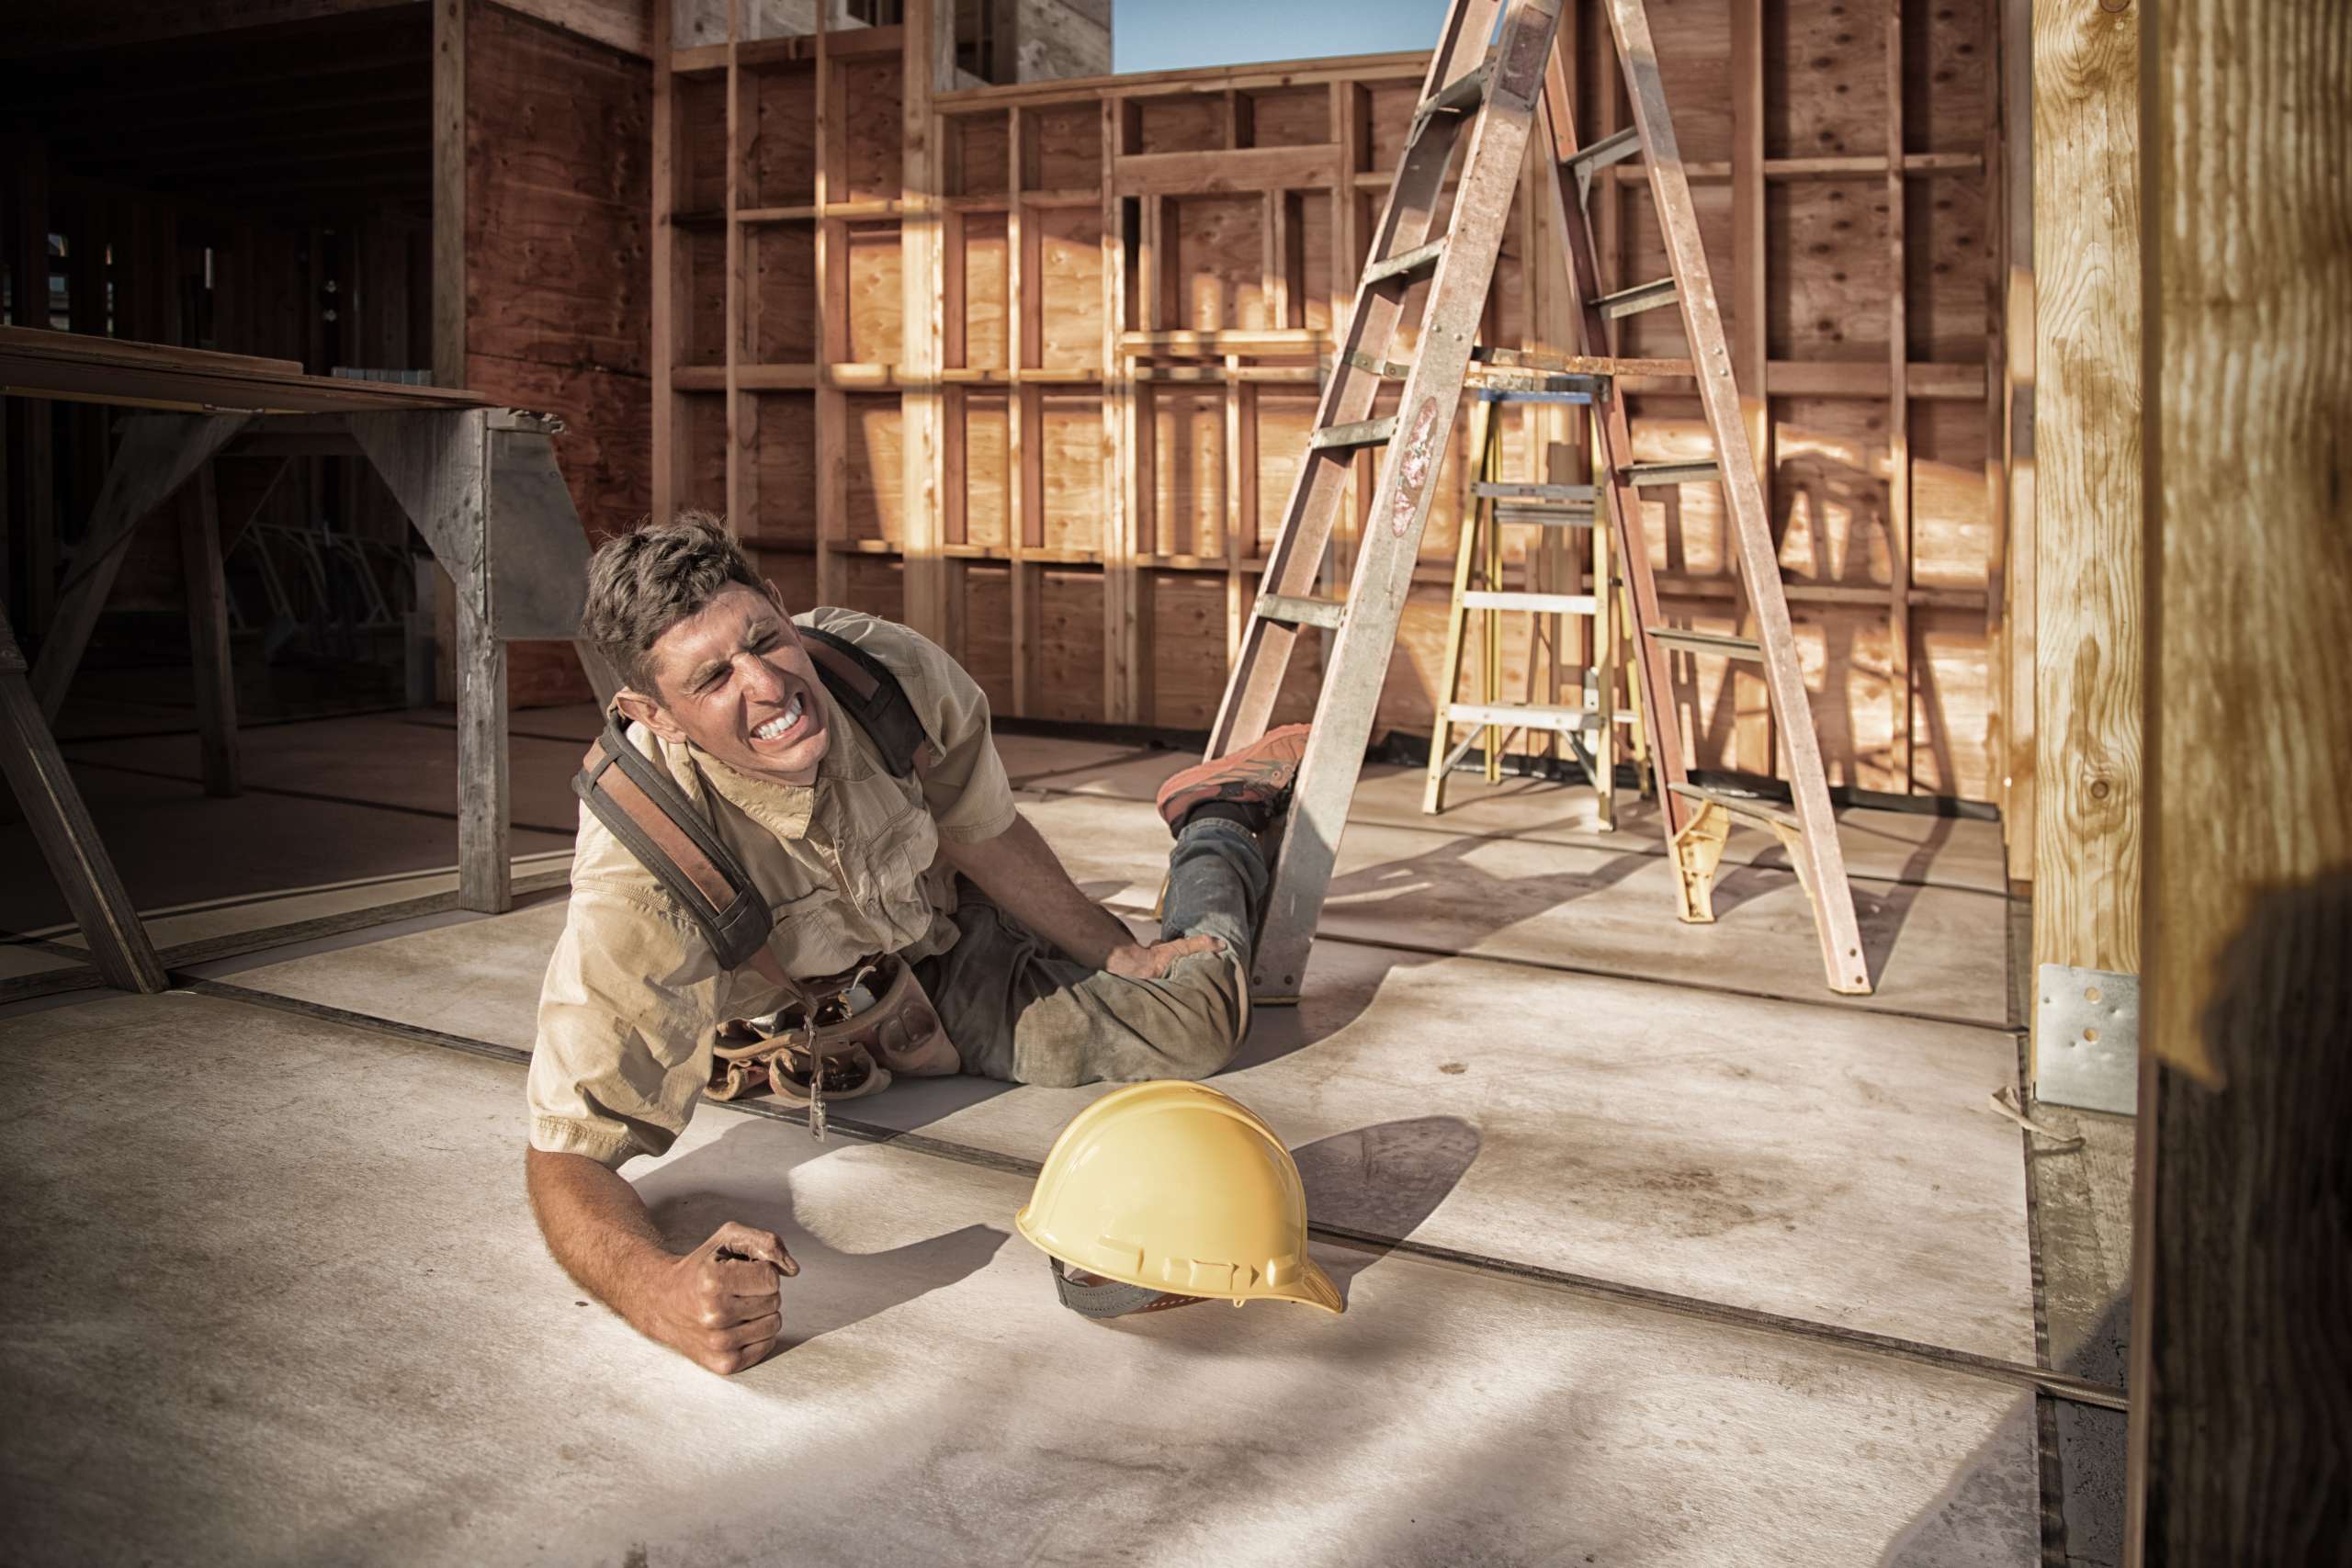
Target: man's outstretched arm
(718, 1305)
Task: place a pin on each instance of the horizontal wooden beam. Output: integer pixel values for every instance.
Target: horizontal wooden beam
(1209, 174)
(1410, 65)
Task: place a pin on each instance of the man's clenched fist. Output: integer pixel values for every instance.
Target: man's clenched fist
(718, 1304)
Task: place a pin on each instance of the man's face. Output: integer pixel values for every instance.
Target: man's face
(735, 682)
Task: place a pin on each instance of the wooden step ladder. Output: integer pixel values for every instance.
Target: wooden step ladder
(1492, 97)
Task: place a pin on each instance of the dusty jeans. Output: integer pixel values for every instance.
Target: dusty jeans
(1019, 1009)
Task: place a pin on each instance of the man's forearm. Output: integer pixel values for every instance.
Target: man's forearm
(1020, 871)
(596, 1225)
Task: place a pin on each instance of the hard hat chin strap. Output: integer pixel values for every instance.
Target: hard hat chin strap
(1090, 1295)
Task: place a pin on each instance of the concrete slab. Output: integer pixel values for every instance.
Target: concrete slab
(1835, 1167)
(284, 1303)
(1935, 951)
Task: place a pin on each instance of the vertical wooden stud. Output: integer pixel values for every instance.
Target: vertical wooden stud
(208, 613)
(1753, 748)
(1898, 418)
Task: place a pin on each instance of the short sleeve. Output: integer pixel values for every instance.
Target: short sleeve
(626, 1012)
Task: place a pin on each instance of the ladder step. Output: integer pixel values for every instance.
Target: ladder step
(1419, 259)
(1506, 386)
(1641, 475)
(1556, 604)
(1462, 93)
(1367, 433)
(1545, 516)
(1498, 490)
(1522, 718)
(1325, 612)
(1386, 370)
(1641, 297)
(1747, 808)
(1609, 149)
(1708, 642)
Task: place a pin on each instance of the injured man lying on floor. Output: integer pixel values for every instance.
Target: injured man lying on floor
(800, 868)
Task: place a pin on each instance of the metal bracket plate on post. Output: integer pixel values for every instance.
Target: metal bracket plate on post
(2086, 1038)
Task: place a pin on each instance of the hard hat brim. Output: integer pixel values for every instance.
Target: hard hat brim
(1313, 1287)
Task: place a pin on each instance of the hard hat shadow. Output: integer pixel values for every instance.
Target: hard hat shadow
(1375, 1186)
(738, 1176)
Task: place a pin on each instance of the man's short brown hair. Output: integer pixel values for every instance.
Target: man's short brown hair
(642, 584)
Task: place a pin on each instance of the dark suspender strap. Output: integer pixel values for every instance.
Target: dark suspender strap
(1089, 1295)
(871, 694)
(646, 810)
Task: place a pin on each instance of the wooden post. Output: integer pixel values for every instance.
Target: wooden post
(670, 306)
(207, 627)
(2020, 623)
(437, 466)
(69, 841)
(929, 57)
(31, 469)
(2088, 683)
(2241, 1346)
(1752, 745)
(1898, 420)
(449, 193)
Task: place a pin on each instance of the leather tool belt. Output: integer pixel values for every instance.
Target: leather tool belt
(839, 1037)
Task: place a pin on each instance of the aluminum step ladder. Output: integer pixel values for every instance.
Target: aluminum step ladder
(1487, 100)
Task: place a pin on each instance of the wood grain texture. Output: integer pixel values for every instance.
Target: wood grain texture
(557, 246)
(2242, 1338)
(2088, 680)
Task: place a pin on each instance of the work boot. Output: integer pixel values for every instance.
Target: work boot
(1256, 780)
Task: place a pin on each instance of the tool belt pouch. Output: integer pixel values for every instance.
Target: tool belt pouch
(871, 1023)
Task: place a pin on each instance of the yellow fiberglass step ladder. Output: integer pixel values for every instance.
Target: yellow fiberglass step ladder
(1490, 97)
(1585, 728)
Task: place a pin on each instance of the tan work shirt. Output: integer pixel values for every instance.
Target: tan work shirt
(633, 992)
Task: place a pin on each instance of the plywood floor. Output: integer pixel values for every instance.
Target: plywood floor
(1690, 1249)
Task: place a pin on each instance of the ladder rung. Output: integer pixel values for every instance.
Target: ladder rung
(1325, 612)
(1746, 808)
(1498, 490)
(1528, 717)
(1634, 300)
(1607, 151)
(1522, 386)
(1555, 603)
(1421, 258)
(1708, 642)
(1642, 475)
(1543, 516)
(1455, 95)
(1366, 433)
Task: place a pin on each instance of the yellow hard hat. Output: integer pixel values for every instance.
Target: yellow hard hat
(1177, 1191)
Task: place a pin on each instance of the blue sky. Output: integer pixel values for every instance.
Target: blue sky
(1169, 35)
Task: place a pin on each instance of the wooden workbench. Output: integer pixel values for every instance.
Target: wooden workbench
(480, 483)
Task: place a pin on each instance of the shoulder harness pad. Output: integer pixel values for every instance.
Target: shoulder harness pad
(636, 798)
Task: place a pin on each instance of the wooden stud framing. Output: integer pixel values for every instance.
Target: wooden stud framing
(1231, 207)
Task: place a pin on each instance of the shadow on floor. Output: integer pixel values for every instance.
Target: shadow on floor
(741, 1176)
(1377, 1184)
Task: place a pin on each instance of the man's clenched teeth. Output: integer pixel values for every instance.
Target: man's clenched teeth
(783, 722)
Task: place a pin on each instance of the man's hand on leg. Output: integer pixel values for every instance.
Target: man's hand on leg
(718, 1305)
(1138, 961)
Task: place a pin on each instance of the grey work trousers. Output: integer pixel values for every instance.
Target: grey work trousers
(1019, 1009)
